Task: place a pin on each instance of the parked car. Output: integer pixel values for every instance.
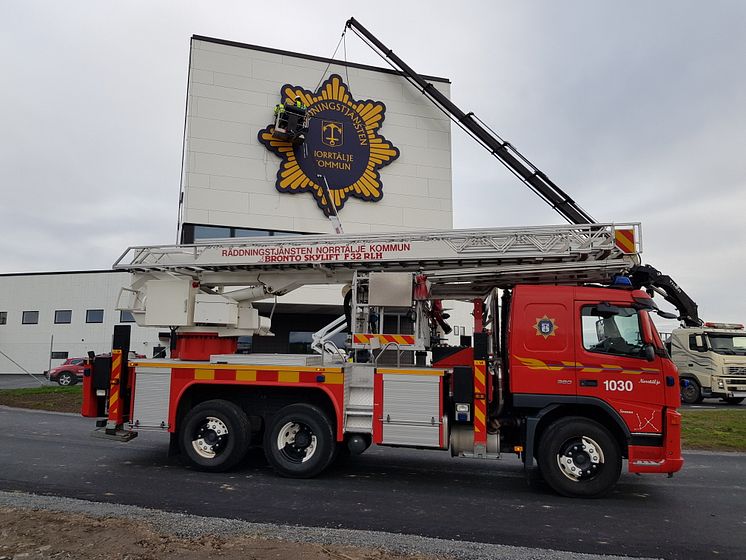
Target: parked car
(69, 373)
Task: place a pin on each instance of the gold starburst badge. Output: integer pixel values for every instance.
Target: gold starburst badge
(545, 326)
(343, 146)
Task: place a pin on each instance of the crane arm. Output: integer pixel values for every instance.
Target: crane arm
(645, 276)
(534, 178)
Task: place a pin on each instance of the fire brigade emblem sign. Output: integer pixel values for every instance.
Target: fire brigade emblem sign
(342, 145)
(545, 327)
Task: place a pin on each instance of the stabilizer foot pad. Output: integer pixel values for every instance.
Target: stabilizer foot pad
(114, 435)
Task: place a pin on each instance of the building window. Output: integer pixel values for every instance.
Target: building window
(30, 318)
(63, 317)
(191, 233)
(59, 355)
(126, 316)
(3, 317)
(211, 232)
(94, 316)
(300, 342)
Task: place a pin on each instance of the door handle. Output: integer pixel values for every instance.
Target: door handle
(589, 383)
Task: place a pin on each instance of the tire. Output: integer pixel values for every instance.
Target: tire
(691, 392)
(579, 458)
(299, 442)
(65, 379)
(733, 400)
(214, 436)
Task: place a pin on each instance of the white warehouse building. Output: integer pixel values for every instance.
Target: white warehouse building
(46, 318)
(376, 151)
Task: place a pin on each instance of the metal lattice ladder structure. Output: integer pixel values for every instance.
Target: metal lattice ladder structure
(457, 262)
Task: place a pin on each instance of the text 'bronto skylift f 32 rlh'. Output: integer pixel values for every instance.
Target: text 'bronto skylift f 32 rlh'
(565, 369)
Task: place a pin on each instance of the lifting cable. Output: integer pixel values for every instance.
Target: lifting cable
(331, 59)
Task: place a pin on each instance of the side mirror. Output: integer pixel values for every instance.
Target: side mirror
(648, 352)
(699, 342)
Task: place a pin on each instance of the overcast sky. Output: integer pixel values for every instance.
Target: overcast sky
(637, 109)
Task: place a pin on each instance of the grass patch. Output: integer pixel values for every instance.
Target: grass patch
(716, 430)
(59, 399)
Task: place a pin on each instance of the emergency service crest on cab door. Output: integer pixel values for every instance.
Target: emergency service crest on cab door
(545, 326)
(342, 144)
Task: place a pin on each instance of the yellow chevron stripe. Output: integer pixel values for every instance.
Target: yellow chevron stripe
(113, 398)
(479, 415)
(623, 241)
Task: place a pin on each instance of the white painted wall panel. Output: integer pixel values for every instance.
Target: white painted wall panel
(232, 91)
(29, 345)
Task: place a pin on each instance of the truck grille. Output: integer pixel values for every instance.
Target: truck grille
(737, 370)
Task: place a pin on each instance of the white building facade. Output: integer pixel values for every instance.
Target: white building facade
(46, 318)
(230, 178)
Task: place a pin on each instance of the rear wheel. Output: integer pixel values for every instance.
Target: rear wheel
(214, 435)
(299, 442)
(691, 392)
(579, 458)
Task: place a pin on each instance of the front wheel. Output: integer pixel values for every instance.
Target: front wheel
(579, 458)
(66, 379)
(214, 435)
(691, 393)
(299, 442)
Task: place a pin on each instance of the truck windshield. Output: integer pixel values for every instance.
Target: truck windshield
(731, 344)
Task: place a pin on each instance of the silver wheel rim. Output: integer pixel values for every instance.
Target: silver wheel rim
(64, 379)
(296, 442)
(580, 459)
(210, 438)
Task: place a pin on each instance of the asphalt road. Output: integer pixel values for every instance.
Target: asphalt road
(699, 513)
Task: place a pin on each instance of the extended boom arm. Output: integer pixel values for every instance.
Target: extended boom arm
(534, 178)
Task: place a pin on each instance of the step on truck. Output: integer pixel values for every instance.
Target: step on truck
(711, 360)
(565, 370)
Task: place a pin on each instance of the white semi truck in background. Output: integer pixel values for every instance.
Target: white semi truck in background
(711, 360)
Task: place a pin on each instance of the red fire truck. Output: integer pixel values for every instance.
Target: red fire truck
(566, 368)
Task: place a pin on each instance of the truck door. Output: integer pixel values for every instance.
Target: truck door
(541, 337)
(612, 364)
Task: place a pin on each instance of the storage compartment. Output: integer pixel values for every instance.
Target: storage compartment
(150, 409)
(409, 407)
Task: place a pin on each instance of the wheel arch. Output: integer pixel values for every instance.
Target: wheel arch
(546, 409)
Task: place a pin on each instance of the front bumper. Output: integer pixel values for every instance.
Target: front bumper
(665, 459)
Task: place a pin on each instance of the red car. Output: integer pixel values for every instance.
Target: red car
(68, 373)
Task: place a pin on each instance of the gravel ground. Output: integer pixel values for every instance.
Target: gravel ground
(206, 535)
